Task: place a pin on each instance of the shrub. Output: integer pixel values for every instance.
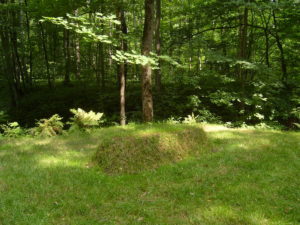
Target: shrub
(12, 130)
(205, 115)
(190, 119)
(133, 151)
(3, 117)
(173, 120)
(84, 120)
(49, 127)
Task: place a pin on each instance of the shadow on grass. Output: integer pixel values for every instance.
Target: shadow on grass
(248, 177)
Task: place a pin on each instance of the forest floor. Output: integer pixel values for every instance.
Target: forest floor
(249, 177)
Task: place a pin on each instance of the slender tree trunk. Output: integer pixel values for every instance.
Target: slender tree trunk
(13, 34)
(147, 98)
(122, 94)
(30, 46)
(46, 55)
(191, 47)
(267, 39)
(55, 53)
(100, 67)
(77, 54)
(122, 68)
(242, 53)
(280, 47)
(158, 45)
(78, 59)
(243, 42)
(9, 68)
(67, 56)
(21, 46)
(20, 74)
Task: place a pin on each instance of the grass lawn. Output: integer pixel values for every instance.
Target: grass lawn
(246, 177)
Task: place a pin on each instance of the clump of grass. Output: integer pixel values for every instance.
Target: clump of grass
(149, 148)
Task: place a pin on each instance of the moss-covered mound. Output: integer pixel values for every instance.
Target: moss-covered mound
(149, 147)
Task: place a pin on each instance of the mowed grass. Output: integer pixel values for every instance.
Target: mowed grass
(245, 177)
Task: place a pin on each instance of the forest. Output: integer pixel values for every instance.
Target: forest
(234, 62)
(149, 112)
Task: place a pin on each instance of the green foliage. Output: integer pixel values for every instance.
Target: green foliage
(220, 98)
(3, 117)
(193, 102)
(49, 127)
(83, 120)
(172, 120)
(190, 119)
(12, 130)
(205, 115)
(49, 42)
(296, 112)
(84, 27)
(92, 31)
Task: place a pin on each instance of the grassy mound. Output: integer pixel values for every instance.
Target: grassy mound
(149, 147)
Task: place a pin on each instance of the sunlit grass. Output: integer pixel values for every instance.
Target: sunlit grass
(247, 177)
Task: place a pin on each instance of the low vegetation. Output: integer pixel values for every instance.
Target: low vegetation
(72, 71)
(132, 151)
(53, 126)
(245, 176)
(49, 127)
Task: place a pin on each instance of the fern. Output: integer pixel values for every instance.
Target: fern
(190, 119)
(49, 127)
(84, 120)
(12, 129)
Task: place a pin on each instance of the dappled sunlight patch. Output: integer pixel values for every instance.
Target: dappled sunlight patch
(227, 215)
(214, 128)
(235, 139)
(225, 135)
(45, 141)
(66, 158)
(30, 141)
(67, 161)
(220, 215)
(259, 219)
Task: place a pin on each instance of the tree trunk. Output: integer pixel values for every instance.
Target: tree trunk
(46, 55)
(77, 54)
(9, 69)
(67, 56)
(267, 48)
(30, 46)
(243, 41)
(243, 53)
(158, 44)
(147, 98)
(122, 68)
(267, 37)
(280, 47)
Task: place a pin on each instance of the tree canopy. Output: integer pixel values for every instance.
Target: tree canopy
(227, 61)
